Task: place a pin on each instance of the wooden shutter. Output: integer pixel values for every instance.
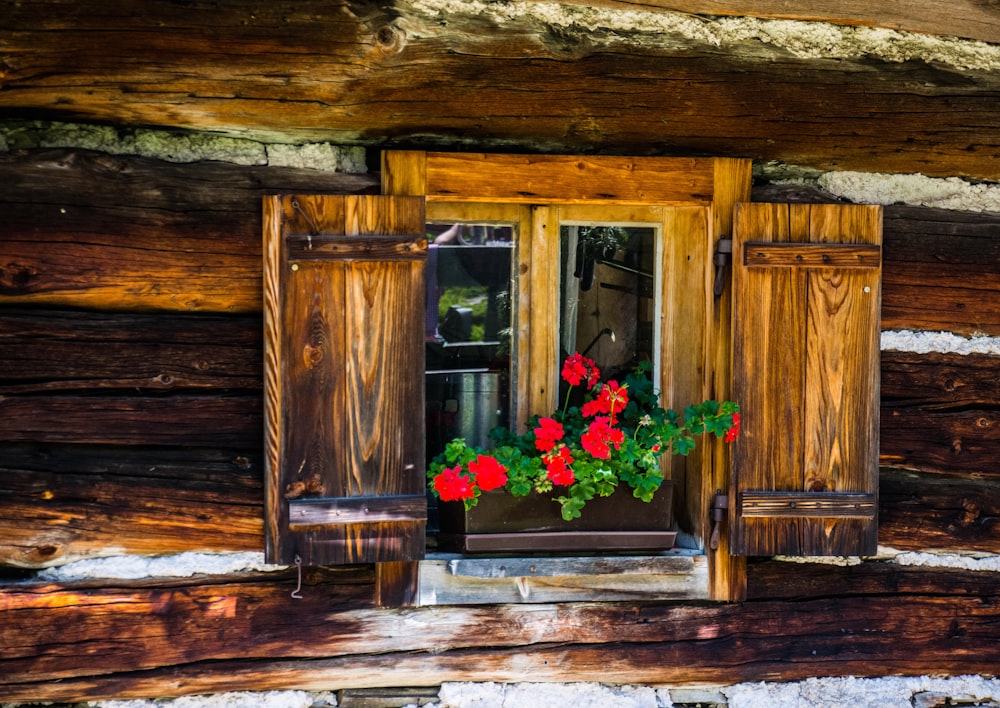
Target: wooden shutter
(806, 372)
(343, 327)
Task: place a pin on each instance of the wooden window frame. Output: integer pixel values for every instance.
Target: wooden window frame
(682, 195)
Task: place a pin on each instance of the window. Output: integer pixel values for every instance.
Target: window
(610, 254)
(534, 256)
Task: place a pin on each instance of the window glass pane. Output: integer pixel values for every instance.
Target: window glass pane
(468, 331)
(608, 303)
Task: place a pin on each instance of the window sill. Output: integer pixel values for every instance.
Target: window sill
(452, 579)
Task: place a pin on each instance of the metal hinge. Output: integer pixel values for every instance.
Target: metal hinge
(720, 505)
(723, 256)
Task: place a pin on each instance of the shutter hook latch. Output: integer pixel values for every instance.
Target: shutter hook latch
(297, 592)
(723, 255)
(313, 229)
(720, 504)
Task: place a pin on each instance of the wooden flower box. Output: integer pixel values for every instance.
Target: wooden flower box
(501, 523)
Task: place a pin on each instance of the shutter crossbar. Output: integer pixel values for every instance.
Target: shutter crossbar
(811, 255)
(303, 513)
(813, 504)
(327, 247)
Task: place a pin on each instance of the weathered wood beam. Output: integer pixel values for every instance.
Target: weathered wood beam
(63, 503)
(68, 503)
(939, 412)
(940, 270)
(218, 634)
(206, 421)
(932, 512)
(43, 350)
(353, 72)
(86, 229)
(975, 19)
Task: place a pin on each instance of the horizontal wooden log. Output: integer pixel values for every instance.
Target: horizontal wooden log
(940, 270)
(63, 503)
(935, 381)
(220, 634)
(213, 421)
(939, 412)
(953, 441)
(769, 579)
(126, 233)
(69, 350)
(351, 73)
(945, 513)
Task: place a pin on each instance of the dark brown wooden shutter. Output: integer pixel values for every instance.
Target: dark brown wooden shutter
(343, 327)
(806, 372)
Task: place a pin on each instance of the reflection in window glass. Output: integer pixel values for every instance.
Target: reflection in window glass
(608, 303)
(467, 332)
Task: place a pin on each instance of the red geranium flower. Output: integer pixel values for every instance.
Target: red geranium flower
(557, 465)
(548, 433)
(599, 438)
(451, 485)
(578, 368)
(489, 473)
(611, 400)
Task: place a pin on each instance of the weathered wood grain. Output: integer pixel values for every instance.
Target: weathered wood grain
(63, 503)
(344, 340)
(353, 72)
(769, 580)
(941, 270)
(963, 442)
(220, 634)
(83, 229)
(935, 381)
(208, 420)
(557, 579)
(918, 512)
(939, 413)
(49, 351)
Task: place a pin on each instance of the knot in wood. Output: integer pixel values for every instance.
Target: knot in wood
(389, 39)
(16, 277)
(970, 513)
(311, 355)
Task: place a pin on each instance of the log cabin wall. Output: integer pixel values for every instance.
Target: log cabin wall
(138, 142)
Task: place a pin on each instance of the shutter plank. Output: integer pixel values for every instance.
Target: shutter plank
(346, 477)
(769, 306)
(806, 375)
(841, 359)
